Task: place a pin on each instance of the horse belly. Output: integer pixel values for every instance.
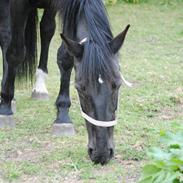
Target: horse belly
(39, 3)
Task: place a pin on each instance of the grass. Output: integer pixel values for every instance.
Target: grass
(152, 59)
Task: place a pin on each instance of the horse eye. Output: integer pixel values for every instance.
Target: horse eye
(114, 86)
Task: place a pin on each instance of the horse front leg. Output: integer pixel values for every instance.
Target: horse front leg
(47, 30)
(63, 125)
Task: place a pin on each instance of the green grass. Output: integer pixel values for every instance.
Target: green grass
(152, 59)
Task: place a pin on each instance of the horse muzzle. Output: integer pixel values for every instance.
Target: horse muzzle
(101, 156)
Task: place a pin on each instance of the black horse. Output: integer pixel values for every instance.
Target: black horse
(47, 29)
(88, 46)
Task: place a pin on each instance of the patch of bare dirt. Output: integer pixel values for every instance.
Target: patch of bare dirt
(169, 113)
(72, 178)
(131, 169)
(29, 154)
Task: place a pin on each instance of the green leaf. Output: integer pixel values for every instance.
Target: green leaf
(165, 176)
(160, 177)
(176, 181)
(146, 180)
(173, 140)
(170, 177)
(175, 146)
(149, 170)
(176, 161)
(158, 154)
(167, 164)
(177, 154)
(159, 164)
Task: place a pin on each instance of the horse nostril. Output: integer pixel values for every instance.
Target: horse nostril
(111, 152)
(90, 151)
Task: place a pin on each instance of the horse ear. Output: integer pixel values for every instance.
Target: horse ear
(73, 47)
(117, 42)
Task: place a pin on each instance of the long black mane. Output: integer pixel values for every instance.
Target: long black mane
(97, 52)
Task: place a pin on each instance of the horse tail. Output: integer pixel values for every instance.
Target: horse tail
(27, 69)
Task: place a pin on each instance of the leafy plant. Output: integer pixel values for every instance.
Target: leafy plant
(167, 164)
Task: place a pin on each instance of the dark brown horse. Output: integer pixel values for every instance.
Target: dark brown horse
(88, 46)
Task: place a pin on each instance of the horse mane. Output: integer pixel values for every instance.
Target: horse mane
(97, 52)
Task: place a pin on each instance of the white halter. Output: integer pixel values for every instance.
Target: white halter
(98, 122)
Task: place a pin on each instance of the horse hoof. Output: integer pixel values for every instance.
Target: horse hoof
(13, 105)
(63, 129)
(7, 121)
(39, 96)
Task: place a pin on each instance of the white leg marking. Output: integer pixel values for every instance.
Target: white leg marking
(40, 86)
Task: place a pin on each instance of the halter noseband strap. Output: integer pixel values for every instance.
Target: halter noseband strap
(97, 122)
